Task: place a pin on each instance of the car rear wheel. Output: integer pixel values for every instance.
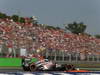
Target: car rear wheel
(32, 67)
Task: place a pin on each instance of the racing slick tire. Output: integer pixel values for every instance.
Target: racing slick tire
(32, 67)
(26, 68)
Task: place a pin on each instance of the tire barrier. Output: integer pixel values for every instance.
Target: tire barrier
(51, 73)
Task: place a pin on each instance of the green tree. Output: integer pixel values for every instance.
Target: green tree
(97, 36)
(15, 18)
(22, 20)
(76, 27)
(58, 28)
(2, 15)
(51, 27)
(9, 17)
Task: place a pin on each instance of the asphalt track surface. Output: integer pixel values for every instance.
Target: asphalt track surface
(19, 71)
(10, 69)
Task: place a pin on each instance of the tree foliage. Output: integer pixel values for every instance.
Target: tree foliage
(2, 15)
(15, 18)
(22, 20)
(76, 27)
(97, 36)
(50, 27)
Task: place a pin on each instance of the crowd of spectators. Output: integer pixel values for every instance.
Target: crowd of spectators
(37, 38)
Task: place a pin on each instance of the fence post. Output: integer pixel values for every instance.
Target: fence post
(88, 56)
(76, 57)
(14, 51)
(63, 53)
(46, 53)
(97, 58)
(55, 56)
(93, 58)
(69, 57)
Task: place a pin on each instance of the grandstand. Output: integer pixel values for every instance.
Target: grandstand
(47, 41)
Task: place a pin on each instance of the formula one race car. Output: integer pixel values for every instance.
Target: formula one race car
(35, 64)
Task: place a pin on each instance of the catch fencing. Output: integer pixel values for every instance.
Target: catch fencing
(63, 57)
